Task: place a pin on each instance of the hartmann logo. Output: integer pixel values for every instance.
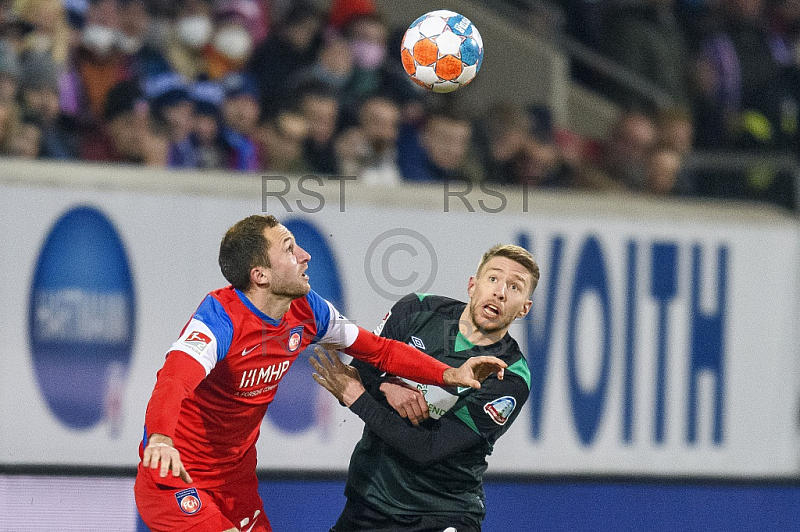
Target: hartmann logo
(82, 319)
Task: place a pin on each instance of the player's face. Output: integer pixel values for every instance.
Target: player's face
(288, 264)
(499, 295)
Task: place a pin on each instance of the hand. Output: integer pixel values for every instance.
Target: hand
(407, 401)
(475, 370)
(161, 451)
(341, 380)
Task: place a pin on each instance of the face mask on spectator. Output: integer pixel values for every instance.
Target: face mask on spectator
(195, 30)
(99, 39)
(367, 54)
(130, 45)
(233, 42)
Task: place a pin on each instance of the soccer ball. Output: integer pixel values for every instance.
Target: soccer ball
(442, 51)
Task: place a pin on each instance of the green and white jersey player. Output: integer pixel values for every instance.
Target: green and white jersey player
(420, 462)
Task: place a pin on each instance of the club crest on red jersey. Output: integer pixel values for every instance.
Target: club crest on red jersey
(295, 338)
(188, 501)
(197, 341)
(500, 409)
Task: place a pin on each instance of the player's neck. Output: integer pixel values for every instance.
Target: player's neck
(268, 303)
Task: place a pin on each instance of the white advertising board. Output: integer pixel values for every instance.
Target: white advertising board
(657, 345)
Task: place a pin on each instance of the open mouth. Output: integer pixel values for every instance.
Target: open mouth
(491, 310)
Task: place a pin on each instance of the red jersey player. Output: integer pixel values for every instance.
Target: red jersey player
(198, 452)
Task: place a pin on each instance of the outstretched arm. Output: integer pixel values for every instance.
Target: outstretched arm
(401, 359)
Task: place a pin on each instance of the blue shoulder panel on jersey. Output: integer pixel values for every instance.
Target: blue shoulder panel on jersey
(212, 313)
(322, 313)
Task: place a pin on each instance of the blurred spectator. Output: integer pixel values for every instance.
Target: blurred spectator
(342, 12)
(675, 134)
(188, 46)
(282, 138)
(253, 15)
(172, 111)
(127, 136)
(646, 38)
(39, 99)
(100, 64)
(206, 132)
(333, 68)
(26, 138)
(368, 150)
(145, 58)
(440, 150)
(518, 152)
(232, 42)
(240, 115)
(627, 151)
(9, 72)
(663, 170)
(49, 30)
(376, 69)
(742, 96)
(623, 157)
(696, 18)
(366, 36)
(675, 129)
(9, 123)
(320, 107)
(783, 20)
(291, 46)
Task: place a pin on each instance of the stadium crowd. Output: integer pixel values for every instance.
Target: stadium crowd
(282, 86)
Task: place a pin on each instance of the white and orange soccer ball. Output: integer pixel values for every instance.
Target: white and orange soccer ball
(442, 51)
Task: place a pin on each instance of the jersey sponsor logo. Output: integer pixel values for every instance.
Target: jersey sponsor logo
(500, 409)
(258, 376)
(246, 352)
(439, 400)
(189, 501)
(379, 329)
(197, 341)
(295, 337)
(253, 393)
(416, 342)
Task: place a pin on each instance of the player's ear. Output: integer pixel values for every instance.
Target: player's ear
(526, 307)
(260, 275)
(471, 286)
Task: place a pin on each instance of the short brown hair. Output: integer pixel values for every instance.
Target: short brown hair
(244, 247)
(516, 253)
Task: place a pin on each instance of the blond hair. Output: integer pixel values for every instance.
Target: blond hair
(519, 255)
